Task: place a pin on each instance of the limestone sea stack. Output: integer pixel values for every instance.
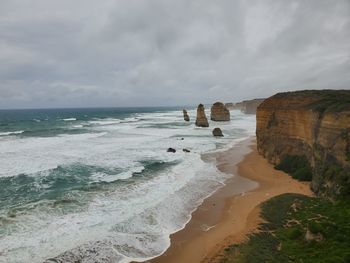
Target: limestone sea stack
(201, 120)
(219, 112)
(217, 132)
(186, 117)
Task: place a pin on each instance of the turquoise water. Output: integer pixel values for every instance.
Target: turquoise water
(76, 179)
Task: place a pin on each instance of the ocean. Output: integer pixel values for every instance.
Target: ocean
(98, 185)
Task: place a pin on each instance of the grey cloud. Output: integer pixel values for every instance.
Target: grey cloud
(162, 52)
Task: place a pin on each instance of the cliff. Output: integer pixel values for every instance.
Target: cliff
(250, 106)
(314, 124)
(246, 106)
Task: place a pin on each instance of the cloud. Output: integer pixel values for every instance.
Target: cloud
(162, 52)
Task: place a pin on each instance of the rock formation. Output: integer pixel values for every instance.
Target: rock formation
(219, 112)
(171, 150)
(314, 124)
(201, 120)
(309, 236)
(186, 150)
(217, 132)
(186, 117)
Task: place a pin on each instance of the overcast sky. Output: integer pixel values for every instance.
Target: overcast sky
(87, 53)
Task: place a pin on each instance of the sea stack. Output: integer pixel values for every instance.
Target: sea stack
(186, 117)
(217, 132)
(201, 120)
(219, 112)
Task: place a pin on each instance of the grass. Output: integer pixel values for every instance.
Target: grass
(297, 166)
(282, 237)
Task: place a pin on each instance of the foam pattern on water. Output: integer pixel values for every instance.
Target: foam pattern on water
(110, 193)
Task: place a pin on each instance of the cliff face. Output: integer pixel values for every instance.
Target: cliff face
(311, 123)
(250, 106)
(246, 106)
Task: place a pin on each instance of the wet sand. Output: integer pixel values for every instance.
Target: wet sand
(232, 212)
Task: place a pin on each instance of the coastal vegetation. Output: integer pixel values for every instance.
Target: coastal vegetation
(297, 166)
(297, 228)
(323, 100)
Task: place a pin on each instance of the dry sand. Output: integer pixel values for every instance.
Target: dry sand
(232, 212)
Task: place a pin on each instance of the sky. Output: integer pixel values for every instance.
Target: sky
(88, 53)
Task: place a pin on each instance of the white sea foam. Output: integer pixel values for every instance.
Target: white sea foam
(10, 133)
(107, 121)
(126, 222)
(70, 119)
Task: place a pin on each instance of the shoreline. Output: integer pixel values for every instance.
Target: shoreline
(232, 212)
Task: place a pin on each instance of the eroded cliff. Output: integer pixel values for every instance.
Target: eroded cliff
(314, 124)
(246, 106)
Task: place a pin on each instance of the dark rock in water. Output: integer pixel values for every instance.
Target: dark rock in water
(201, 120)
(186, 117)
(217, 132)
(182, 139)
(186, 150)
(171, 150)
(219, 112)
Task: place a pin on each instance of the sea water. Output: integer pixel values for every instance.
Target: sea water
(98, 185)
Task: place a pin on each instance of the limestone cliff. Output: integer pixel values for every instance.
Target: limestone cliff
(219, 112)
(311, 123)
(246, 106)
(250, 106)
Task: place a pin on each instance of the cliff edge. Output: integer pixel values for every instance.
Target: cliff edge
(313, 125)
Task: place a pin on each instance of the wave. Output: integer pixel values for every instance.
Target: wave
(70, 119)
(105, 121)
(115, 194)
(10, 133)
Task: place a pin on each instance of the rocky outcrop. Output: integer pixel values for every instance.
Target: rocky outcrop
(314, 124)
(201, 120)
(186, 117)
(219, 112)
(217, 132)
(171, 150)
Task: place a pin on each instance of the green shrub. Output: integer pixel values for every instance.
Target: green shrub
(279, 241)
(303, 174)
(294, 233)
(314, 227)
(297, 166)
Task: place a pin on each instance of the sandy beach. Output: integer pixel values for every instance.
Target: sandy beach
(232, 212)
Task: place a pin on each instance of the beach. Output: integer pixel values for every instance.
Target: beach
(232, 212)
(120, 201)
